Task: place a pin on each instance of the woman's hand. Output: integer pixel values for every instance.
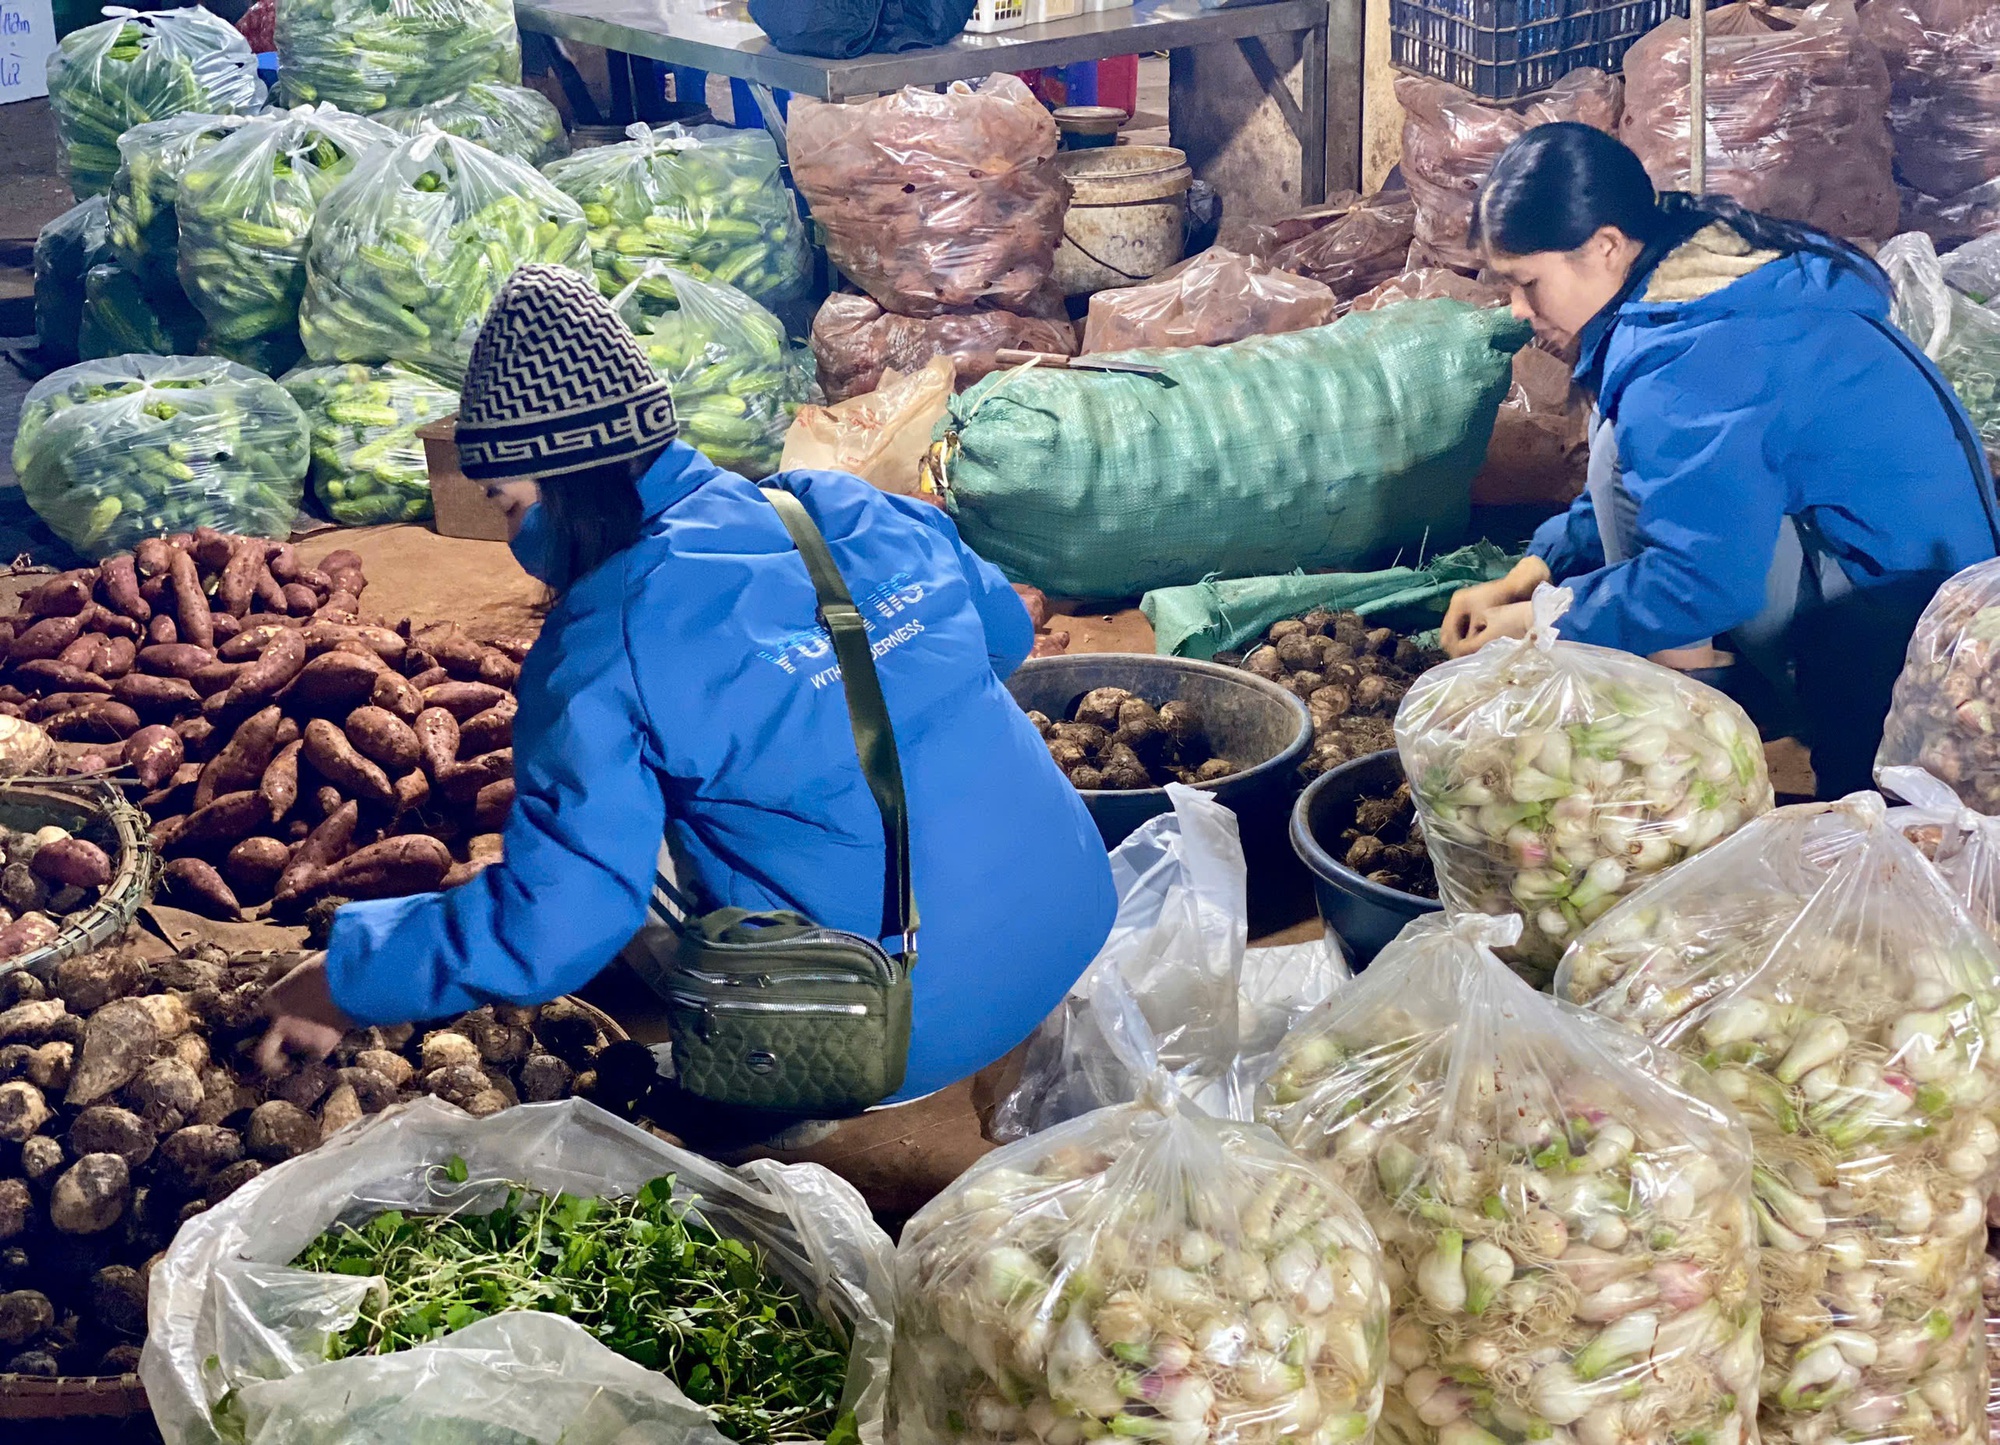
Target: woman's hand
(1464, 628)
(305, 1021)
(1512, 620)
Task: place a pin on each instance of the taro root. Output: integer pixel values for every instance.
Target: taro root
(15, 1203)
(188, 1158)
(279, 1130)
(166, 1094)
(25, 1314)
(93, 980)
(118, 1299)
(568, 1032)
(304, 1086)
(372, 1092)
(90, 1196)
(41, 1159)
(498, 1043)
(389, 1064)
(117, 1041)
(460, 1084)
(35, 1022)
(20, 986)
(232, 1177)
(106, 1129)
(1099, 707)
(341, 1108)
(449, 1049)
(23, 1111)
(545, 1077)
(1121, 742)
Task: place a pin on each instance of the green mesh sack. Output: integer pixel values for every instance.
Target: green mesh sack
(367, 459)
(370, 55)
(106, 78)
(110, 452)
(709, 202)
(246, 207)
(408, 252)
(145, 229)
(65, 251)
(1319, 448)
(123, 318)
(509, 120)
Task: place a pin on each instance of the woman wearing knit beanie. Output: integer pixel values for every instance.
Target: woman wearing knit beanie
(683, 689)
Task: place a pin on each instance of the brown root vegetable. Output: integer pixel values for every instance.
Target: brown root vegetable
(222, 823)
(154, 754)
(175, 659)
(232, 1177)
(198, 737)
(90, 1196)
(50, 1066)
(16, 1205)
(460, 1084)
(118, 1299)
(545, 1077)
(196, 886)
(42, 1158)
(88, 653)
(241, 763)
(254, 866)
(279, 786)
(46, 675)
(278, 1131)
(463, 700)
(45, 639)
(99, 721)
(65, 596)
(304, 1086)
(117, 1041)
(107, 1129)
(21, 890)
(23, 1111)
(492, 804)
(73, 863)
(35, 1022)
(372, 1091)
(382, 737)
(411, 863)
(213, 683)
(449, 1049)
(92, 980)
(336, 682)
(161, 630)
(437, 736)
(413, 790)
(238, 582)
(487, 731)
(278, 666)
(396, 695)
(331, 840)
(300, 600)
(461, 782)
(249, 644)
(342, 1107)
(25, 1314)
(169, 1012)
(335, 758)
(118, 582)
(190, 603)
(159, 698)
(498, 1043)
(189, 1158)
(566, 1030)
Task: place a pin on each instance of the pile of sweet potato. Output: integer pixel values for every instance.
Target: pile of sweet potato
(288, 746)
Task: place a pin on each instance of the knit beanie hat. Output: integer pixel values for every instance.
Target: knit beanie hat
(557, 383)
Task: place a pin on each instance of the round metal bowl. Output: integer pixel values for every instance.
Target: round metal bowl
(1365, 914)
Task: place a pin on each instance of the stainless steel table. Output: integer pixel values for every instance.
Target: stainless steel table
(1256, 46)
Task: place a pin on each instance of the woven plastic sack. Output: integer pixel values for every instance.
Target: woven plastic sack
(112, 452)
(710, 202)
(1955, 331)
(1944, 715)
(246, 210)
(1797, 107)
(854, 341)
(1568, 1228)
(1962, 845)
(121, 317)
(408, 252)
(880, 436)
(509, 120)
(1944, 109)
(370, 55)
(1321, 448)
(106, 78)
(1216, 297)
(932, 202)
(1552, 778)
(145, 228)
(1451, 141)
(1833, 989)
(368, 463)
(65, 250)
(228, 1317)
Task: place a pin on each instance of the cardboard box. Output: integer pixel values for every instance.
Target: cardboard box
(459, 505)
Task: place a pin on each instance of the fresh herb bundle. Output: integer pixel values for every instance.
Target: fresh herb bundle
(649, 1280)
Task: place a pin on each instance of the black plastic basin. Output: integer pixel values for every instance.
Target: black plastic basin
(1366, 915)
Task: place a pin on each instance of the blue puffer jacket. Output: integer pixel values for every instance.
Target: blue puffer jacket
(684, 689)
(1780, 394)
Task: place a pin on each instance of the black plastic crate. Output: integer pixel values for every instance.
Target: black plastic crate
(1418, 21)
(1504, 50)
(1487, 80)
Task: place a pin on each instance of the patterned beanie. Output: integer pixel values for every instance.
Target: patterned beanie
(557, 383)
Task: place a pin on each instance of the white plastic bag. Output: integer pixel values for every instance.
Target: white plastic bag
(1944, 715)
(1955, 331)
(880, 436)
(227, 1316)
(1552, 777)
(1568, 1231)
(1835, 991)
(1962, 845)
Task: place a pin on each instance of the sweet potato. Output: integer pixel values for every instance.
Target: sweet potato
(196, 886)
(413, 863)
(152, 696)
(100, 721)
(339, 607)
(463, 700)
(198, 737)
(413, 790)
(64, 596)
(417, 662)
(382, 737)
(226, 626)
(335, 758)
(300, 600)
(395, 694)
(46, 638)
(225, 821)
(237, 584)
(384, 642)
(154, 754)
(243, 760)
(326, 801)
(437, 737)
(152, 557)
(461, 782)
(336, 682)
(110, 623)
(86, 653)
(277, 667)
(283, 559)
(117, 1041)
(492, 804)
(332, 840)
(344, 563)
(212, 549)
(252, 640)
(175, 659)
(435, 677)
(121, 654)
(72, 863)
(485, 731)
(254, 865)
(217, 678)
(46, 675)
(55, 704)
(190, 603)
(161, 630)
(515, 649)
(266, 590)
(280, 783)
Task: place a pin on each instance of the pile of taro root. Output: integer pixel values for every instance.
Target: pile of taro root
(129, 1103)
(1383, 841)
(1350, 676)
(289, 747)
(1116, 741)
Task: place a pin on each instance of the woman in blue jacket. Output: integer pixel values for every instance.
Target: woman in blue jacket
(1779, 478)
(682, 690)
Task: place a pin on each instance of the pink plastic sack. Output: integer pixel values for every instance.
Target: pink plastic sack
(1797, 115)
(1944, 109)
(853, 340)
(1217, 297)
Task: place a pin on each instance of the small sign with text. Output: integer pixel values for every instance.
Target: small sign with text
(27, 40)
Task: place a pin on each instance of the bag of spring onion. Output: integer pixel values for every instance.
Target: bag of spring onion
(145, 229)
(370, 55)
(1944, 715)
(1962, 845)
(123, 318)
(246, 209)
(1955, 331)
(1568, 1229)
(65, 251)
(409, 251)
(106, 78)
(709, 201)
(1552, 777)
(249, 1343)
(368, 464)
(509, 120)
(1829, 983)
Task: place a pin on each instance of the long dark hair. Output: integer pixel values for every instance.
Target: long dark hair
(592, 515)
(1558, 185)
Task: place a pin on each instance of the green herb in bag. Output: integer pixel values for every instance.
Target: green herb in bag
(65, 250)
(409, 251)
(123, 318)
(367, 460)
(145, 231)
(110, 452)
(106, 78)
(709, 202)
(509, 120)
(370, 55)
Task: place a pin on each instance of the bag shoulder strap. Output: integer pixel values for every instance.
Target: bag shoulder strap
(867, 711)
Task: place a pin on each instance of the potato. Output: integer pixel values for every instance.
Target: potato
(279, 1130)
(107, 1129)
(42, 1158)
(24, 1314)
(167, 1094)
(117, 1042)
(118, 1299)
(23, 1111)
(189, 1158)
(74, 863)
(90, 1196)
(392, 1066)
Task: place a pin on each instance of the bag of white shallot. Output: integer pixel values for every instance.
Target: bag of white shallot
(1831, 986)
(1567, 1229)
(1145, 1271)
(1962, 845)
(1943, 716)
(1554, 777)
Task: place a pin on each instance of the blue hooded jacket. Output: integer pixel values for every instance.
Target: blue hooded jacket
(1780, 394)
(683, 689)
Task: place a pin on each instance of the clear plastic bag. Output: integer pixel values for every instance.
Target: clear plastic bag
(1797, 107)
(370, 55)
(65, 250)
(1944, 715)
(246, 210)
(933, 202)
(736, 381)
(111, 452)
(1832, 988)
(711, 202)
(123, 318)
(1944, 65)
(854, 341)
(1360, 246)
(509, 120)
(1553, 777)
(368, 463)
(145, 229)
(1569, 1230)
(228, 1316)
(880, 436)
(1955, 331)
(1962, 845)
(106, 78)
(1214, 298)
(408, 252)
(1974, 269)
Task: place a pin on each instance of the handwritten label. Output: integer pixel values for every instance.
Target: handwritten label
(27, 40)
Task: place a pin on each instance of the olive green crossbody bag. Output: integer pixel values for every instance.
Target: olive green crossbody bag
(771, 1010)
